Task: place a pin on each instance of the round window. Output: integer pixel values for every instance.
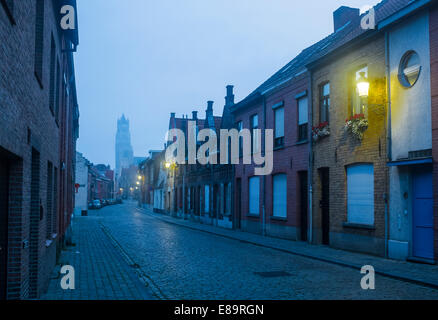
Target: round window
(410, 69)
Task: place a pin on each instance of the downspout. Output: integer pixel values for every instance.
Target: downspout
(264, 176)
(388, 137)
(310, 158)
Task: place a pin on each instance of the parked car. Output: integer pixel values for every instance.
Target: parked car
(97, 204)
(90, 205)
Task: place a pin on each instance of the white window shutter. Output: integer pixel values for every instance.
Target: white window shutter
(207, 199)
(280, 196)
(279, 123)
(360, 186)
(254, 195)
(303, 115)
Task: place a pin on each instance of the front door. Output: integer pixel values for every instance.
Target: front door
(238, 203)
(422, 211)
(4, 188)
(325, 205)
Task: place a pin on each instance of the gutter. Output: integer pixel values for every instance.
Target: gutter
(310, 159)
(264, 176)
(388, 136)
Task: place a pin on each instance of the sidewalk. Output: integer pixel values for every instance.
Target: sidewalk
(426, 275)
(101, 273)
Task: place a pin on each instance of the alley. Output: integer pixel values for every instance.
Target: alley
(181, 263)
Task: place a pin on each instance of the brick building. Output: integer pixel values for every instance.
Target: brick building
(433, 27)
(277, 205)
(203, 193)
(372, 178)
(39, 127)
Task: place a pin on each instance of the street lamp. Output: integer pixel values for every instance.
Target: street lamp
(363, 86)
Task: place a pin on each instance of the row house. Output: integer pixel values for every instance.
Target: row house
(93, 182)
(372, 162)
(355, 131)
(203, 193)
(277, 205)
(38, 132)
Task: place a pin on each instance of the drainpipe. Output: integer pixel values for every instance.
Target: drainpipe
(388, 136)
(310, 166)
(264, 176)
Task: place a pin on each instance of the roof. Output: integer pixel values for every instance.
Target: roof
(298, 65)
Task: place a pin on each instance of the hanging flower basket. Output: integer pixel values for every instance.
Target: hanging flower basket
(357, 125)
(321, 131)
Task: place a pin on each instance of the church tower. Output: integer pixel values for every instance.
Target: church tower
(124, 152)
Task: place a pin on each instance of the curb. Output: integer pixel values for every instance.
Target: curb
(395, 276)
(145, 280)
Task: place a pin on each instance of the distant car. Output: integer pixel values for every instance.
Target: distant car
(90, 205)
(104, 202)
(97, 204)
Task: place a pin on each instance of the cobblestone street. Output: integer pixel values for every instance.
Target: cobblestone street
(125, 253)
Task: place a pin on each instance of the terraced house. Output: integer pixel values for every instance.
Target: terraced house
(355, 130)
(38, 131)
(372, 169)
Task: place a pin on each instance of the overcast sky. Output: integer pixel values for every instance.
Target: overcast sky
(148, 58)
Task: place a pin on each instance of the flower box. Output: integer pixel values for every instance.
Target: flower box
(357, 125)
(321, 131)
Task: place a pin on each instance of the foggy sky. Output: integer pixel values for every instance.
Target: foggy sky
(148, 58)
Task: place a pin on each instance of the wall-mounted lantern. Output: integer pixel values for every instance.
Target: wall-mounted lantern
(363, 86)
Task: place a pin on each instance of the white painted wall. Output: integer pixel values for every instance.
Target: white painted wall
(411, 107)
(81, 198)
(411, 126)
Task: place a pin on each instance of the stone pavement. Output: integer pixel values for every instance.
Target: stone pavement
(422, 274)
(101, 271)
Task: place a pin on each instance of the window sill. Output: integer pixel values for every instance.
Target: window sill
(278, 219)
(279, 148)
(302, 142)
(249, 215)
(359, 226)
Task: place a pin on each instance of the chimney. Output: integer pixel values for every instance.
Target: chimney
(343, 15)
(229, 99)
(209, 112)
(195, 115)
(172, 115)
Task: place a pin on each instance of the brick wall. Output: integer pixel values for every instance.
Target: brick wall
(433, 24)
(290, 160)
(27, 123)
(340, 149)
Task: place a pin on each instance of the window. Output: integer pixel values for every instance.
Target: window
(359, 104)
(207, 199)
(254, 196)
(410, 69)
(52, 76)
(360, 193)
(279, 127)
(324, 103)
(49, 204)
(39, 41)
(8, 5)
(279, 207)
(255, 133)
(56, 86)
(239, 129)
(303, 118)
